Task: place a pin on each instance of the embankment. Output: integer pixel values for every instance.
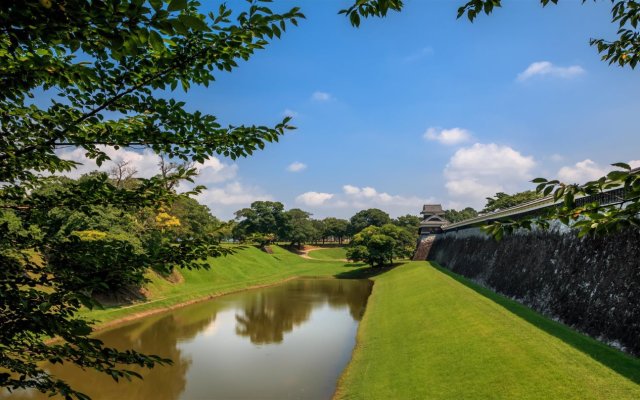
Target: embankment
(591, 283)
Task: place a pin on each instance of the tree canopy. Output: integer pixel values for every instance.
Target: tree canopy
(103, 73)
(457, 216)
(368, 217)
(501, 201)
(378, 246)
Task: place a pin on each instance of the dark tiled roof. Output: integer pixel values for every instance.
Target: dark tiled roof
(432, 209)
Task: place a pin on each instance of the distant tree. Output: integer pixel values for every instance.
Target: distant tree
(320, 234)
(369, 217)
(378, 246)
(298, 228)
(503, 201)
(123, 174)
(225, 230)
(457, 216)
(336, 228)
(409, 222)
(196, 220)
(264, 218)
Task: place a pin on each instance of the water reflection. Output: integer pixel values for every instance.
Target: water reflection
(270, 314)
(228, 347)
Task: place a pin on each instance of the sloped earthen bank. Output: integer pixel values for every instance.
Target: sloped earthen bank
(591, 283)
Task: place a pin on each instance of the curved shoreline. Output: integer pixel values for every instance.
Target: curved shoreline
(142, 314)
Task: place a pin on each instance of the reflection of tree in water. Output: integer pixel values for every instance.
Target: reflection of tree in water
(271, 313)
(153, 335)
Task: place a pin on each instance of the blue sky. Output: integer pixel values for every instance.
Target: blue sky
(422, 107)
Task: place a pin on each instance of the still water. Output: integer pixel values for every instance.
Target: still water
(287, 341)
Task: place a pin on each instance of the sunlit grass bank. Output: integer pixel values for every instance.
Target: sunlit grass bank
(330, 253)
(428, 334)
(246, 268)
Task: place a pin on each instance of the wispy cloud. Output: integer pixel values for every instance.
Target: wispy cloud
(289, 113)
(447, 137)
(418, 54)
(545, 68)
(321, 96)
(296, 167)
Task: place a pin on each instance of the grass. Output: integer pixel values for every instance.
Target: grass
(246, 268)
(430, 334)
(426, 333)
(330, 253)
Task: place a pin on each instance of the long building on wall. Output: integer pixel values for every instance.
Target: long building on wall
(432, 219)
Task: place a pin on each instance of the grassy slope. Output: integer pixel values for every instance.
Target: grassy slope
(429, 334)
(248, 267)
(331, 253)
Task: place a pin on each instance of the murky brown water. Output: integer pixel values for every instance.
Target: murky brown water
(287, 341)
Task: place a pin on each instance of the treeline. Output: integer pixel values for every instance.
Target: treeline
(266, 222)
(103, 249)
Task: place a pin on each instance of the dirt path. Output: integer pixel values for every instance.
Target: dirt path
(304, 253)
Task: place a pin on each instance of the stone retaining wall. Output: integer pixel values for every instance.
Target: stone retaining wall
(591, 284)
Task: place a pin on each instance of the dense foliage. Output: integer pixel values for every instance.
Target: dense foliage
(368, 217)
(378, 246)
(588, 217)
(457, 216)
(503, 201)
(101, 72)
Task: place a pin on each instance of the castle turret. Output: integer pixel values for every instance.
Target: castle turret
(432, 219)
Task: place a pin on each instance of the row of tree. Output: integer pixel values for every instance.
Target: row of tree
(265, 222)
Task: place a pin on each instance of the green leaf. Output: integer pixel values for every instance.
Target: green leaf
(176, 5)
(194, 23)
(622, 165)
(156, 4)
(155, 40)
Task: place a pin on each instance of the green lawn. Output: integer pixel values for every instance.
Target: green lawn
(330, 253)
(428, 334)
(248, 267)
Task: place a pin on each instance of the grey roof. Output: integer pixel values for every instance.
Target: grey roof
(432, 209)
(433, 221)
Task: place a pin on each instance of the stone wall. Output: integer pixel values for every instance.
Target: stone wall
(591, 284)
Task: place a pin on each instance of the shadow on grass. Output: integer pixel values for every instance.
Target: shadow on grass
(618, 361)
(364, 271)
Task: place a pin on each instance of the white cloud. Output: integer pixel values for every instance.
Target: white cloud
(581, 172)
(545, 68)
(296, 167)
(355, 198)
(215, 171)
(588, 170)
(145, 162)
(321, 96)
(447, 137)
(479, 171)
(314, 198)
(233, 193)
(223, 199)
